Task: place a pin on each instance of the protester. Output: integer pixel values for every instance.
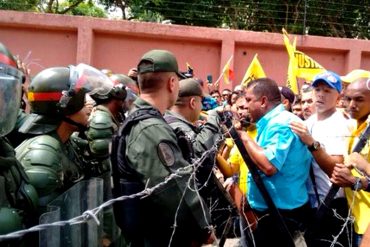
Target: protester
(233, 98)
(288, 97)
(356, 185)
(217, 96)
(308, 106)
(277, 153)
(232, 164)
(239, 89)
(328, 147)
(297, 107)
(226, 96)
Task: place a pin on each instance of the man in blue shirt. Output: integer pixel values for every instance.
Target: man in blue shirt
(282, 159)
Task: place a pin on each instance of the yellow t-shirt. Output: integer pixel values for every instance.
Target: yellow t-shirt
(361, 205)
(236, 159)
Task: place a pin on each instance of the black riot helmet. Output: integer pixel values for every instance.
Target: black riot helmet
(129, 84)
(118, 91)
(57, 92)
(10, 90)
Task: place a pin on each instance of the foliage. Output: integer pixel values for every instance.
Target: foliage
(87, 9)
(338, 18)
(20, 5)
(73, 7)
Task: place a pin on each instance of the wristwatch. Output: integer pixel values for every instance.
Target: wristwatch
(314, 146)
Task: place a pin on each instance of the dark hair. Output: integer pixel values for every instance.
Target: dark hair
(215, 91)
(266, 87)
(238, 95)
(298, 99)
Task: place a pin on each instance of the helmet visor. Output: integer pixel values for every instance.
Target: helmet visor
(90, 79)
(10, 97)
(87, 79)
(131, 95)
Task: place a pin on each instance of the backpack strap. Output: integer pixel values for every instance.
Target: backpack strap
(120, 165)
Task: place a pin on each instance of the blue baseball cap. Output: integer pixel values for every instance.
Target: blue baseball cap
(329, 78)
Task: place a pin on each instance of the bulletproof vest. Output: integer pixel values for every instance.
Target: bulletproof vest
(126, 181)
(211, 190)
(183, 140)
(186, 145)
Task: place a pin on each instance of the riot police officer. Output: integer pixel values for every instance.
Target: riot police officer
(131, 88)
(18, 198)
(92, 145)
(57, 100)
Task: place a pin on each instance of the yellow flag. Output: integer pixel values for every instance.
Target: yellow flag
(292, 66)
(307, 68)
(300, 65)
(253, 72)
(354, 75)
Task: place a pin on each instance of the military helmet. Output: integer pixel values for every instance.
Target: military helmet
(118, 91)
(130, 85)
(46, 89)
(6, 57)
(60, 91)
(57, 92)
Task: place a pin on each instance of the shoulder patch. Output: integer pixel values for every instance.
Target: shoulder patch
(166, 154)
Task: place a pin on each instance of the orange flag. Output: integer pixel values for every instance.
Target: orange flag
(227, 73)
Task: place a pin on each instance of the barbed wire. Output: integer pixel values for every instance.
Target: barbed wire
(216, 5)
(92, 214)
(211, 7)
(348, 220)
(88, 214)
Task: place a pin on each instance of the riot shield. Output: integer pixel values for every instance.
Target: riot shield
(84, 195)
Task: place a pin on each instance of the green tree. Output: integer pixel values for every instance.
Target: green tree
(337, 18)
(20, 5)
(73, 7)
(86, 9)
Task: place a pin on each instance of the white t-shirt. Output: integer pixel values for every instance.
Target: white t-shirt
(333, 134)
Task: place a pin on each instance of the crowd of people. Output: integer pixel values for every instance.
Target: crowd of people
(291, 170)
